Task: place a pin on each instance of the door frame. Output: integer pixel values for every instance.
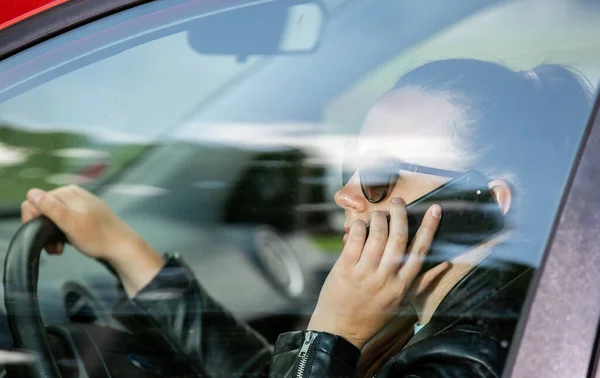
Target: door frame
(557, 331)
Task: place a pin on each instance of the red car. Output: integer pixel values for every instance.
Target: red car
(14, 11)
(213, 127)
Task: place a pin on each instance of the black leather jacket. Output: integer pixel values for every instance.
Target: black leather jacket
(468, 336)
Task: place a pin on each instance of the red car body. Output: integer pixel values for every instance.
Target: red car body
(13, 11)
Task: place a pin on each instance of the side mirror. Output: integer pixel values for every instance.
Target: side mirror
(273, 27)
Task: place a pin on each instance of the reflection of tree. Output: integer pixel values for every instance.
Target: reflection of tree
(42, 165)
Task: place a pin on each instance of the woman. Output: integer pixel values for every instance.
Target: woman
(460, 317)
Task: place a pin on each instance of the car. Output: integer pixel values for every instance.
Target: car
(214, 129)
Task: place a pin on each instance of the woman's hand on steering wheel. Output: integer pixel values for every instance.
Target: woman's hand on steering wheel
(89, 225)
(96, 231)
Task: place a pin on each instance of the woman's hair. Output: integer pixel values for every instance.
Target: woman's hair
(522, 126)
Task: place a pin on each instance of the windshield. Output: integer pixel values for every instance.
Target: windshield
(98, 124)
(235, 159)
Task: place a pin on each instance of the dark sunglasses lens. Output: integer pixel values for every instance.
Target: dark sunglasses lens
(375, 183)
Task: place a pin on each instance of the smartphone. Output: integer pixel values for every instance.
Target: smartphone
(470, 215)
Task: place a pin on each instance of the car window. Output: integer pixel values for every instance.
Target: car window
(235, 161)
(533, 36)
(98, 125)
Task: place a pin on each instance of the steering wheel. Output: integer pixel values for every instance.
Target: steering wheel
(96, 350)
(21, 269)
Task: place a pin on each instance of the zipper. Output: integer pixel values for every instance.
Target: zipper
(303, 355)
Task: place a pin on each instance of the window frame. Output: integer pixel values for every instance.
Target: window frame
(57, 20)
(556, 299)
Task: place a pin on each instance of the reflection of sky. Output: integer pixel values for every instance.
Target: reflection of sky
(143, 91)
(323, 148)
(140, 92)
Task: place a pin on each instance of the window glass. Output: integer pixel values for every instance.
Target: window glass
(235, 159)
(95, 121)
(519, 35)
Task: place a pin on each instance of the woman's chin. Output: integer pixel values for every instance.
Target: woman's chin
(345, 238)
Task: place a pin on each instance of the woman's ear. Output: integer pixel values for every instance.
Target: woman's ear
(502, 193)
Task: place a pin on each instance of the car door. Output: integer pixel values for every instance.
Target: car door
(217, 151)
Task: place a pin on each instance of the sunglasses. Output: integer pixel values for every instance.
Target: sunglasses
(377, 174)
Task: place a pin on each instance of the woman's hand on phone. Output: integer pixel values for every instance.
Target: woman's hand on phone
(96, 231)
(374, 274)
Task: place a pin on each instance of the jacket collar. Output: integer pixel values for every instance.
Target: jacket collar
(477, 287)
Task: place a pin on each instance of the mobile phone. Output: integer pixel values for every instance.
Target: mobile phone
(470, 215)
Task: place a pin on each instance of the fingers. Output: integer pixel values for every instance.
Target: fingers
(29, 212)
(355, 243)
(420, 244)
(395, 247)
(375, 245)
(40, 202)
(55, 248)
(50, 206)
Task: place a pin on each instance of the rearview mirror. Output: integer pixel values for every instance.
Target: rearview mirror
(270, 27)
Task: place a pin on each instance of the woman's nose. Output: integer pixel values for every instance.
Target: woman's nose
(350, 197)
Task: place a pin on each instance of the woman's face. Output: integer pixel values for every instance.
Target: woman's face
(410, 126)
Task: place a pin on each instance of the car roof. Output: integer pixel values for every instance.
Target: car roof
(24, 23)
